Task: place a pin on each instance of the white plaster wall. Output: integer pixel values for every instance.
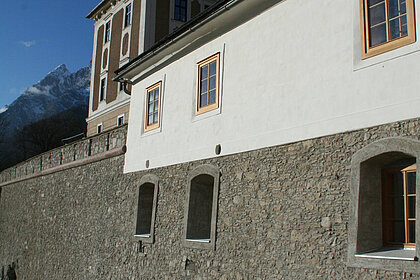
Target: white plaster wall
(289, 74)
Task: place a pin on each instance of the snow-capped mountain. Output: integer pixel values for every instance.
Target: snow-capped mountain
(59, 90)
(4, 109)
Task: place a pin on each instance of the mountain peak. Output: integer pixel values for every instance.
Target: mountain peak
(59, 70)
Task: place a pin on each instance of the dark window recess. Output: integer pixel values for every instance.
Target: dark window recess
(107, 31)
(200, 207)
(145, 209)
(180, 10)
(127, 17)
(102, 92)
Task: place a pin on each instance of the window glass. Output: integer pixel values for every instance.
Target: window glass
(153, 106)
(145, 209)
(387, 21)
(207, 92)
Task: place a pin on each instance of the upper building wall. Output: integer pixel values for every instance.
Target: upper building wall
(292, 72)
(123, 30)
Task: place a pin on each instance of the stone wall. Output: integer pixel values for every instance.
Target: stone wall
(283, 213)
(77, 150)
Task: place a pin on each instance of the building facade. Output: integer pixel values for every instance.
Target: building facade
(267, 139)
(123, 30)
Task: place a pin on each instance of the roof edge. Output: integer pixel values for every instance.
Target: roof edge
(98, 7)
(214, 10)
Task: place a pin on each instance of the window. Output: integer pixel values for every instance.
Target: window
(102, 91)
(208, 84)
(107, 31)
(99, 128)
(153, 106)
(386, 25)
(127, 17)
(120, 120)
(399, 205)
(201, 210)
(180, 11)
(146, 208)
(382, 220)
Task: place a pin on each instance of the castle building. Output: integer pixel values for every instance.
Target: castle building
(266, 139)
(123, 30)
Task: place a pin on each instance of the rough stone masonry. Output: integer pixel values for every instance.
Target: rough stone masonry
(282, 214)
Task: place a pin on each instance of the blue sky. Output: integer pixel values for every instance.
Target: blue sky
(38, 35)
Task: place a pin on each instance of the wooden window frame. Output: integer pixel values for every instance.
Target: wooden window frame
(146, 107)
(389, 45)
(387, 206)
(209, 107)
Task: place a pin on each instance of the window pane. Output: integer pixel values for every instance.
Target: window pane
(397, 184)
(412, 231)
(212, 97)
(394, 26)
(200, 207)
(404, 20)
(398, 207)
(393, 8)
(155, 117)
(203, 100)
(403, 8)
(204, 72)
(411, 207)
(150, 96)
(204, 86)
(377, 14)
(150, 120)
(213, 68)
(212, 83)
(377, 35)
(411, 182)
(144, 209)
(373, 2)
(150, 108)
(398, 232)
(156, 105)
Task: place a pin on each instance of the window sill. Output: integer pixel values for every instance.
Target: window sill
(199, 240)
(391, 254)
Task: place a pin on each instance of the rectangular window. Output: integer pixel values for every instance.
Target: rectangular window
(153, 106)
(180, 11)
(102, 91)
(127, 17)
(399, 204)
(120, 120)
(386, 25)
(107, 31)
(208, 84)
(99, 128)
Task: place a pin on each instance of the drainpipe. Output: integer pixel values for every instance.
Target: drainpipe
(126, 82)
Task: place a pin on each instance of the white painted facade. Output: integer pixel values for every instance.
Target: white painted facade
(289, 73)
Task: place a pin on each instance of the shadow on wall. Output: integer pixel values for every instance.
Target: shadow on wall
(10, 273)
